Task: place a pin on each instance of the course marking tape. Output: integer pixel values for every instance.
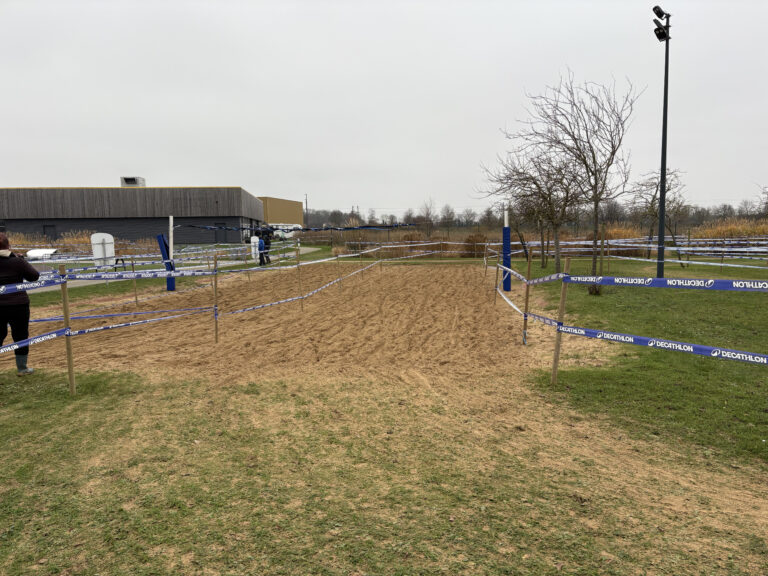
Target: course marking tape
(663, 344)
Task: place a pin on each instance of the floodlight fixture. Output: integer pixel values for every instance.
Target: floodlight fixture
(662, 34)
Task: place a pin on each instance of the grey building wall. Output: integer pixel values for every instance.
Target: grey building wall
(128, 202)
(135, 228)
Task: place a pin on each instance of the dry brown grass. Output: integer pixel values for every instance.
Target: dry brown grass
(731, 228)
(79, 242)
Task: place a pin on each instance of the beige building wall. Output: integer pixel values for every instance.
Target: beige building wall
(279, 211)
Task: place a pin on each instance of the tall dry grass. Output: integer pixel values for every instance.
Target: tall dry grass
(731, 228)
(79, 242)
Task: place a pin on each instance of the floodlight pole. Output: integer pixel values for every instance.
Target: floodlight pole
(663, 174)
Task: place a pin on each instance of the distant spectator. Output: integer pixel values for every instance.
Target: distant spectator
(14, 307)
(261, 251)
(267, 245)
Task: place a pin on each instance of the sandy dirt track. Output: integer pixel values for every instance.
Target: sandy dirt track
(435, 331)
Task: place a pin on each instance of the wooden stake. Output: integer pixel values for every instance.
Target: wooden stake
(67, 341)
(381, 260)
(496, 283)
(298, 271)
(527, 294)
(216, 298)
(338, 267)
(602, 248)
(485, 259)
(135, 293)
(560, 316)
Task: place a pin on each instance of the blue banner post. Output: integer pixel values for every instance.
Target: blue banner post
(170, 283)
(507, 252)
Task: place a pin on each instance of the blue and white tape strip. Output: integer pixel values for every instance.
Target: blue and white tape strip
(127, 324)
(543, 319)
(658, 343)
(508, 301)
(550, 278)
(513, 272)
(260, 306)
(26, 286)
(686, 283)
(35, 340)
(696, 262)
(118, 314)
(139, 275)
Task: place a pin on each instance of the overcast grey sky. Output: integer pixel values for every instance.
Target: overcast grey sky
(377, 104)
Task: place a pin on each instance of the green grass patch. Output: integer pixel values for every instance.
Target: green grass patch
(711, 403)
(280, 478)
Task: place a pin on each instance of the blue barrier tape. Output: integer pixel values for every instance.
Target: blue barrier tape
(696, 262)
(139, 275)
(126, 324)
(686, 283)
(35, 340)
(550, 278)
(508, 301)
(26, 286)
(513, 272)
(698, 349)
(117, 314)
(543, 319)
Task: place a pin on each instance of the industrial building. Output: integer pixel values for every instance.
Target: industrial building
(132, 211)
(282, 212)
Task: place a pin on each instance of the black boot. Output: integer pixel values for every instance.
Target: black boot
(21, 365)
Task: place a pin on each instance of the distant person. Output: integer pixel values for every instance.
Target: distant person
(261, 251)
(267, 246)
(14, 307)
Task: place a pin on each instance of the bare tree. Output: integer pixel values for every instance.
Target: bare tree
(447, 218)
(541, 184)
(468, 217)
(646, 202)
(586, 123)
(427, 215)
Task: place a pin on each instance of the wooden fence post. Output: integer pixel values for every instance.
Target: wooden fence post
(216, 298)
(496, 283)
(298, 272)
(560, 316)
(485, 259)
(67, 341)
(602, 248)
(527, 294)
(135, 293)
(338, 268)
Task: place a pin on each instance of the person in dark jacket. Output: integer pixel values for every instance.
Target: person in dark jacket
(267, 245)
(14, 307)
(262, 260)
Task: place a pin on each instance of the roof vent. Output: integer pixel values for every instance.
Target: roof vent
(132, 182)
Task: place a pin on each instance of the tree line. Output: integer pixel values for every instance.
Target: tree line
(567, 169)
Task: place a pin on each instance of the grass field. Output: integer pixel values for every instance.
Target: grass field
(713, 404)
(394, 426)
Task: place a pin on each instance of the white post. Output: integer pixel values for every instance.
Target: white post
(170, 237)
(506, 218)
